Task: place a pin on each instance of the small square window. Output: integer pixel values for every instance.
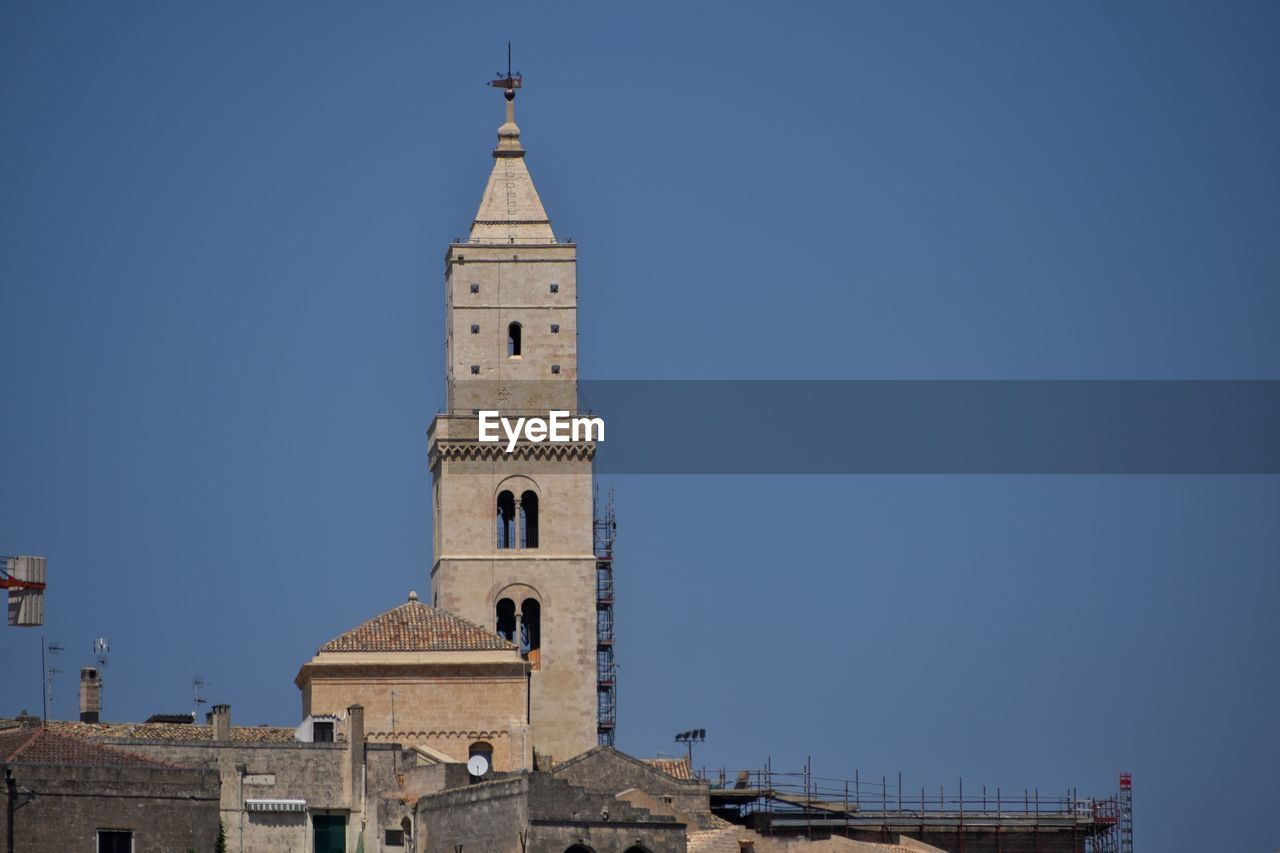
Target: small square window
(555, 328)
(555, 288)
(475, 328)
(394, 838)
(555, 368)
(115, 841)
(475, 288)
(322, 732)
(475, 369)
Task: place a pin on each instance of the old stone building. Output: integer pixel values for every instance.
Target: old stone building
(63, 792)
(274, 789)
(430, 679)
(471, 723)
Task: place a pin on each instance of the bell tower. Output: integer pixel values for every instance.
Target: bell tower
(513, 546)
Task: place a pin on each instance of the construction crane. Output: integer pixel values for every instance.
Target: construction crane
(24, 579)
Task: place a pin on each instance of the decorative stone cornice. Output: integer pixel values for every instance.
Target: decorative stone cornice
(474, 451)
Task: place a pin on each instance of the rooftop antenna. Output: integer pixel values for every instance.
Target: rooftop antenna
(511, 82)
(100, 652)
(49, 672)
(197, 684)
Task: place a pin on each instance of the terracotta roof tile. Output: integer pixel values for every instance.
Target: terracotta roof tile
(417, 627)
(675, 767)
(171, 731)
(39, 745)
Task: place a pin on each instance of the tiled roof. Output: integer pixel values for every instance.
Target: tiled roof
(39, 745)
(675, 767)
(172, 731)
(417, 627)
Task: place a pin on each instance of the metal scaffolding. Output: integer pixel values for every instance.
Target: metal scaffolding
(606, 670)
(801, 803)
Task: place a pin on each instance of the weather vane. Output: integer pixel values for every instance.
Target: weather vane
(511, 82)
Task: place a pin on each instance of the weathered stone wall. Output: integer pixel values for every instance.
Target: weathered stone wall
(555, 837)
(445, 707)
(319, 773)
(538, 812)
(169, 810)
(488, 287)
(489, 816)
(611, 772)
(512, 284)
(562, 814)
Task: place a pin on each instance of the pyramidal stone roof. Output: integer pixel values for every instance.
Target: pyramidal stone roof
(510, 210)
(417, 627)
(39, 745)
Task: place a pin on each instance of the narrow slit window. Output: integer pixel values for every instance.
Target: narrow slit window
(513, 340)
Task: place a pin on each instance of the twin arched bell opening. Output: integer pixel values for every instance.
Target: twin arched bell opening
(517, 521)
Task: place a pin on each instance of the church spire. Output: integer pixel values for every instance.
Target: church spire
(510, 210)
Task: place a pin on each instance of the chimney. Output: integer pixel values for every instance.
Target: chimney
(355, 749)
(221, 722)
(90, 694)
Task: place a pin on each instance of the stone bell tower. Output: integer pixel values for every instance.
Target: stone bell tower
(513, 531)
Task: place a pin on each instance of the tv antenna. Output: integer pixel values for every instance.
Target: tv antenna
(50, 671)
(198, 684)
(100, 652)
(511, 82)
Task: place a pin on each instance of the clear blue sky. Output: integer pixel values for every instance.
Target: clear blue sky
(221, 239)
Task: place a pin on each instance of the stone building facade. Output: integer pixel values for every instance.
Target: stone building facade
(272, 791)
(64, 793)
(427, 678)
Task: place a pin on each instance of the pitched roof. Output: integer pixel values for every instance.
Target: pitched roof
(171, 731)
(417, 627)
(510, 209)
(676, 768)
(39, 745)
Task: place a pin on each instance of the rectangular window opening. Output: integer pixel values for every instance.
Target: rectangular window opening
(115, 841)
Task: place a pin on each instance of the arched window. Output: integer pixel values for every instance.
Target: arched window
(506, 520)
(480, 748)
(506, 619)
(529, 520)
(513, 340)
(579, 848)
(530, 625)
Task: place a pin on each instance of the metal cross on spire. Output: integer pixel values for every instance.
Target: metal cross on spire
(511, 82)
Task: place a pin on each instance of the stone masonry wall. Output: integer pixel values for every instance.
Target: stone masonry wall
(169, 810)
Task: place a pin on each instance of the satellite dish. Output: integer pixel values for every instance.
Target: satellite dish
(478, 765)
